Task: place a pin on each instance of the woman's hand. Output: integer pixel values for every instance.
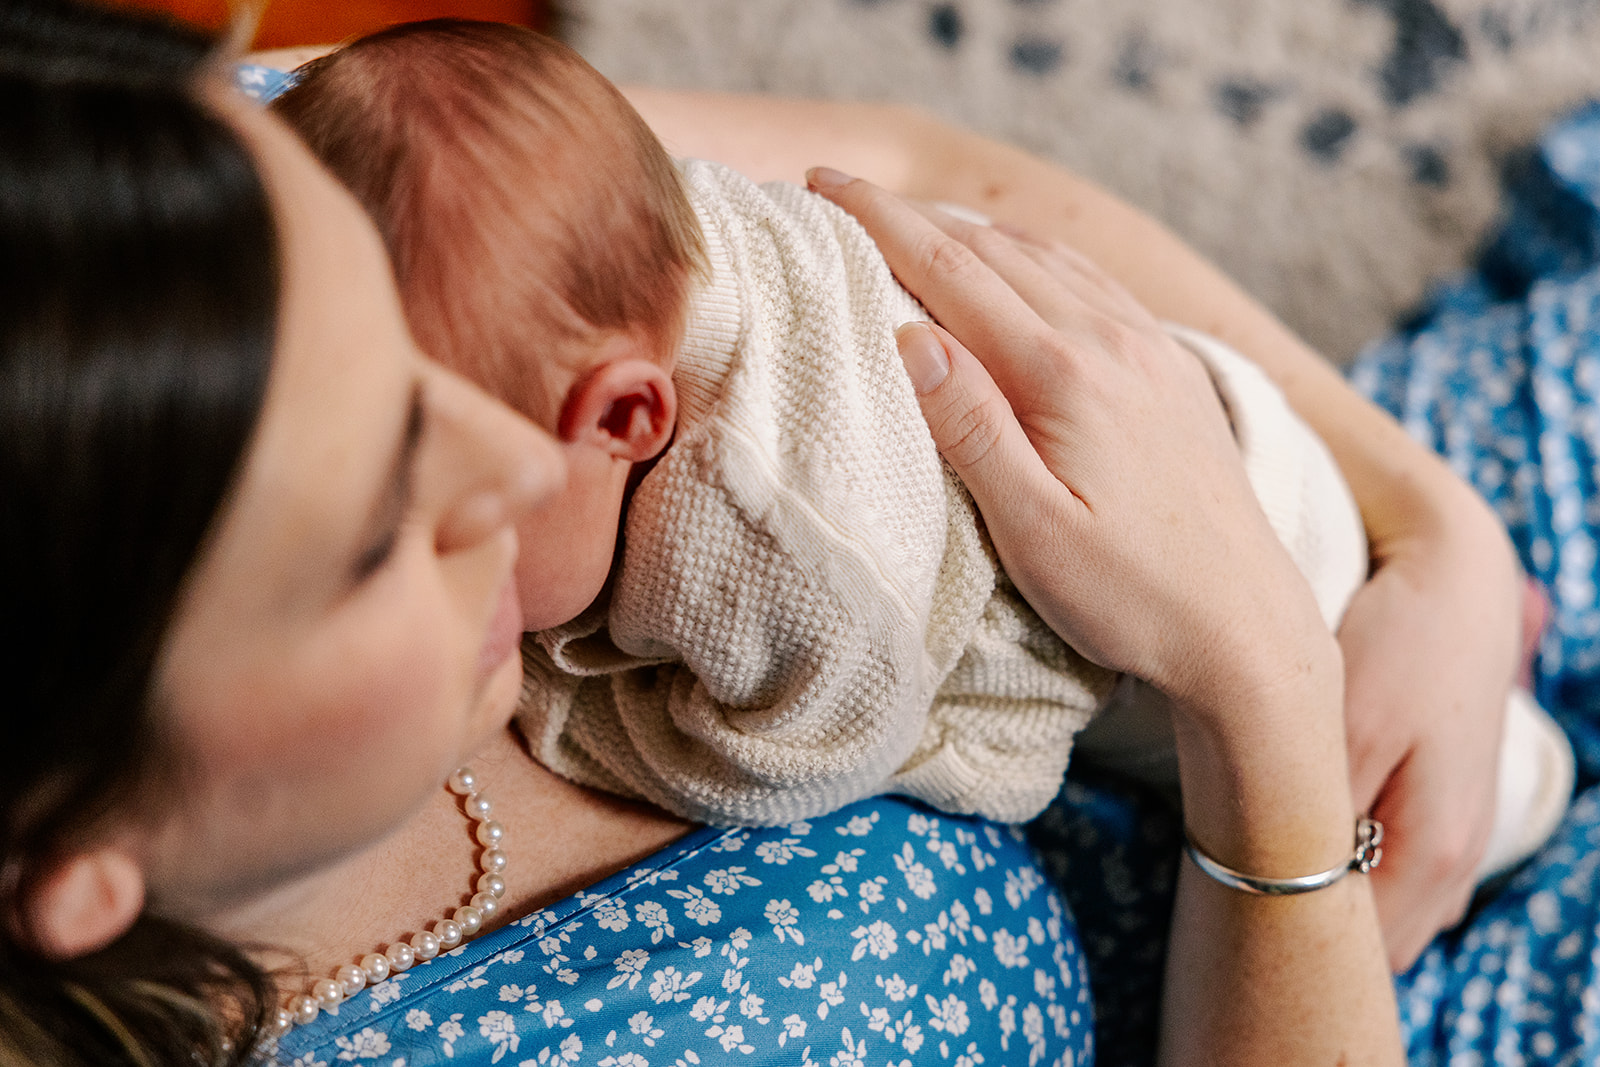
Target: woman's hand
(1099, 455)
(1101, 459)
(1431, 645)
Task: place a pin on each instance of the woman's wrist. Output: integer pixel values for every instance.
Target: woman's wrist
(1263, 774)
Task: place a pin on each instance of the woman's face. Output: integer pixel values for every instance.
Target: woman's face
(350, 634)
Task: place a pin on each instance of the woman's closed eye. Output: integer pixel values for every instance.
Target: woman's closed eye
(394, 502)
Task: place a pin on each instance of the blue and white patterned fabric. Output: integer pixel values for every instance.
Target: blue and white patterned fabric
(882, 934)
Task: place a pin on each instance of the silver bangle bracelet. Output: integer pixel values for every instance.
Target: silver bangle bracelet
(1368, 854)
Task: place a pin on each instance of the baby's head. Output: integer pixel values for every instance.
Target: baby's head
(543, 244)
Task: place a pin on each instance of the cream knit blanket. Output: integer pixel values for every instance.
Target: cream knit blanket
(807, 611)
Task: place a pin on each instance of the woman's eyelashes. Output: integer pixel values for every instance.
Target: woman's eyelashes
(394, 501)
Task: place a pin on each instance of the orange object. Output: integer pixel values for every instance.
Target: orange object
(286, 23)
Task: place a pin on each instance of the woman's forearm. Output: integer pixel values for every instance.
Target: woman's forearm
(1270, 979)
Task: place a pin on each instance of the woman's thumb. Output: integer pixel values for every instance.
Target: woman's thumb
(969, 418)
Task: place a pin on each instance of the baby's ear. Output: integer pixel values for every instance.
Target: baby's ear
(626, 407)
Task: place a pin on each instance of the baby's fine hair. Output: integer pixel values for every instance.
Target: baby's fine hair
(521, 197)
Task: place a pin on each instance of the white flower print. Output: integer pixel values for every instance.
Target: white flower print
(387, 991)
(803, 975)
(822, 892)
(727, 881)
(851, 1055)
(418, 1020)
(612, 914)
(697, 906)
(920, 824)
(730, 1037)
(781, 852)
(750, 1005)
(369, 1044)
(980, 897)
(655, 918)
(670, 985)
(1036, 931)
(569, 1052)
(910, 1035)
(740, 939)
(832, 995)
(1020, 884)
(970, 1058)
(879, 939)
(731, 842)
(450, 1032)
(871, 891)
(1044, 984)
(793, 1026)
(1010, 951)
(858, 826)
(918, 878)
(785, 921)
(627, 1059)
(949, 1014)
(987, 994)
(960, 967)
(552, 1013)
(701, 946)
(308, 1060)
(1033, 1032)
(688, 1058)
(845, 861)
(706, 1007)
(1008, 1022)
(501, 1030)
(630, 967)
(643, 1026)
(895, 987)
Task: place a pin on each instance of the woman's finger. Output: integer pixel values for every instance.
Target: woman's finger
(953, 283)
(972, 423)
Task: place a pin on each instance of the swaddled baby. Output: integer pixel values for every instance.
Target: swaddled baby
(762, 594)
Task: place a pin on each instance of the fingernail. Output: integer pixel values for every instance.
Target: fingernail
(826, 179)
(927, 363)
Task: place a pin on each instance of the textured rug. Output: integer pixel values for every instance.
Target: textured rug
(1333, 155)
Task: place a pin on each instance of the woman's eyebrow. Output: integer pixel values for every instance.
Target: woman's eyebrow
(395, 497)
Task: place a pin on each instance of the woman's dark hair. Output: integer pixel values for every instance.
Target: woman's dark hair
(138, 307)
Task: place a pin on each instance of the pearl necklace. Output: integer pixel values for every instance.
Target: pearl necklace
(325, 994)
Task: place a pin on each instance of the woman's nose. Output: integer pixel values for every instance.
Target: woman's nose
(498, 464)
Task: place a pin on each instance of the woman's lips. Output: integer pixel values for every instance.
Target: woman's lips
(505, 630)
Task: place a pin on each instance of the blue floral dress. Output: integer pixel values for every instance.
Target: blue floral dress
(885, 934)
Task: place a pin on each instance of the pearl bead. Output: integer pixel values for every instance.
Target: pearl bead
(448, 931)
(282, 1021)
(376, 964)
(493, 862)
(490, 834)
(470, 919)
(425, 945)
(304, 1008)
(328, 992)
(351, 977)
(464, 783)
(492, 883)
(400, 956)
(478, 806)
(487, 903)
